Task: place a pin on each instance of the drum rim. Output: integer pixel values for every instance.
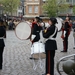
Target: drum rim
(58, 18)
(16, 34)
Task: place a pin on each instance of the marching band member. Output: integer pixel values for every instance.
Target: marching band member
(36, 28)
(50, 34)
(35, 37)
(2, 34)
(66, 32)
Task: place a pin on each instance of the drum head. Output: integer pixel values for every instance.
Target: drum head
(59, 25)
(23, 30)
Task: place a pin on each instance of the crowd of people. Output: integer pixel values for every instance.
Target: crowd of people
(11, 24)
(49, 33)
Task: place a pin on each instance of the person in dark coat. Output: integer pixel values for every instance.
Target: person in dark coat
(36, 28)
(66, 33)
(2, 44)
(50, 34)
(35, 37)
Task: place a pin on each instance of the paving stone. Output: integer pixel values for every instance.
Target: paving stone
(17, 52)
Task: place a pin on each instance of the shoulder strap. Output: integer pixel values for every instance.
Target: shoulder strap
(53, 33)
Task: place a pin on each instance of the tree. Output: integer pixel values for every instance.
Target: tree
(62, 5)
(74, 9)
(52, 7)
(10, 5)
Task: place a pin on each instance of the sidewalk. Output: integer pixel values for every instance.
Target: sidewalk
(17, 53)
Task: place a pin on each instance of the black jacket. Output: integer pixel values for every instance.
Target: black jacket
(2, 33)
(50, 44)
(36, 31)
(67, 26)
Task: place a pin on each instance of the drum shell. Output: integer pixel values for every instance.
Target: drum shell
(38, 50)
(59, 24)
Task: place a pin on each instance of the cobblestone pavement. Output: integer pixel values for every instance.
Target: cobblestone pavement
(17, 53)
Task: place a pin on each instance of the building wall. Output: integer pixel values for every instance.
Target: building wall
(33, 8)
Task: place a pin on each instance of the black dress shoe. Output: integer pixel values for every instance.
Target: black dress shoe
(73, 47)
(32, 58)
(63, 51)
(0, 68)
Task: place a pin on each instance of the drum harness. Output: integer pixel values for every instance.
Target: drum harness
(1, 37)
(39, 62)
(51, 37)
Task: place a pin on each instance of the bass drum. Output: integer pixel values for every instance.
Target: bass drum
(23, 30)
(59, 25)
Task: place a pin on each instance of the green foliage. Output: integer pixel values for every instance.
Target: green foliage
(74, 9)
(62, 5)
(52, 7)
(10, 5)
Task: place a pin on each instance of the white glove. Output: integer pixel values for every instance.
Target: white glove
(32, 37)
(64, 33)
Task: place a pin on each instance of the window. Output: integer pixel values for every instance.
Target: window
(70, 1)
(30, 9)
(30, 0)
(36, 0)
(44, 0)
(36, 9)
(19, 13)
(20, 7)
(67, 0)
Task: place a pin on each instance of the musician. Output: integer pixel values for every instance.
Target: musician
(35, 37)
(32, 27)
(50, 34)
(36, 28)
(66, 32)
(2, 34)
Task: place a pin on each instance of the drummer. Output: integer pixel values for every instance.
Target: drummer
(50, 34)
(36, 28)
(66, 32)
(35, 37)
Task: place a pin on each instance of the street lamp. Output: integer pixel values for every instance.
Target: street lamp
(22, 4)
(59, 3)
(1, 9)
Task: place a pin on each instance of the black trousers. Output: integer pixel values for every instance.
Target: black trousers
(50, 61)
(65, 43)
(1, 56)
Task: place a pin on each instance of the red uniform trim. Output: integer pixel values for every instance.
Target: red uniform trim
(49, 62)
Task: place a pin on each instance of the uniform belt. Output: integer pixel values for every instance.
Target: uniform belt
(50, 39)
(1, 37)
(37, 31)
